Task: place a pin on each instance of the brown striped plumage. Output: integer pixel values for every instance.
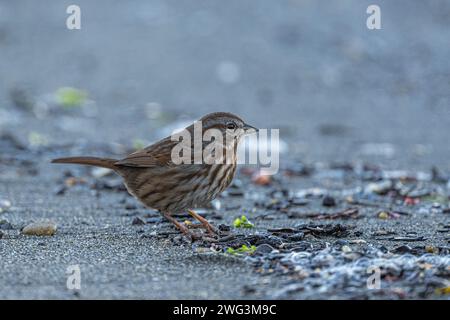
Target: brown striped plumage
(153, 178)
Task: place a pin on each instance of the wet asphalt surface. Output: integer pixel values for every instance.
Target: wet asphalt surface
(353, 106)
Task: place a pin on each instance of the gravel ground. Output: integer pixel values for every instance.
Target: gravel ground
(339, 93)
(127, 251)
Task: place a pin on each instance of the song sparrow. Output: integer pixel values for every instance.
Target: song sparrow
(154, 178)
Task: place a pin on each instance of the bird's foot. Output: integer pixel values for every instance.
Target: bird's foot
(183, 228)
(213, 231)
(211, 235)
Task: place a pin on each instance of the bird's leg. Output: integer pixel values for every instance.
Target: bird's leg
(181, 226)
(211, 229)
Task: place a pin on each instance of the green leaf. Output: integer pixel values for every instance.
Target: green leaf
(69, 97)
(242, 250)
(242, 222)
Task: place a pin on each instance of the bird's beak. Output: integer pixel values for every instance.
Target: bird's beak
(250, 129)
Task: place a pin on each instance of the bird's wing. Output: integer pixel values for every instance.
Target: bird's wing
(158, 154)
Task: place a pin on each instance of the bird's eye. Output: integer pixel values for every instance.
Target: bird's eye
(231, 125)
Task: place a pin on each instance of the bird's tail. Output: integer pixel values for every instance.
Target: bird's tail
(90, 161)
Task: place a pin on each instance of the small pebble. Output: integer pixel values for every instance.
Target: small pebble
(41, 228)
(224, 227)
(261, 179)
(379, 187)
(346, 249)
(216, 204)
(264, 249)
(341, 242)
(328, 201)
(60, 190)
(130, 206)
(383, 215)
(5, 225)
(297, 236)
(402, 249)
(358, 241)
(235, 193)
(4, 205)
(431, 249)
(137, 221)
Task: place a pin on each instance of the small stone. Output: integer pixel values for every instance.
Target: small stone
(224, 227)
(299, 202)
(358, 241)
(431, 249)
(383, 215)
(5, 225)
(216, 204)
(328, 201)
(409, 238)
(445, 290)
(341, 242)
(352, 255)
(130, 206)
(60, 190)
(261, 179)
(137, 221)
(436, 205)
(4, 205)
(402, 249)
(236, 184)
(411, 201)
(379, 187)
(346, 249)
(41, 228)
(264, 249)
(297, 236)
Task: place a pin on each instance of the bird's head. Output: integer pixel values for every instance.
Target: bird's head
(230, 125)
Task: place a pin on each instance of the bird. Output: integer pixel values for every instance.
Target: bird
(157, 178)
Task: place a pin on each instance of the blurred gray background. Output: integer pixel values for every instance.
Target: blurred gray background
(336, 90)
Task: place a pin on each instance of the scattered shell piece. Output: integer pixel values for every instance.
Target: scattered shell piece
(379, 187)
